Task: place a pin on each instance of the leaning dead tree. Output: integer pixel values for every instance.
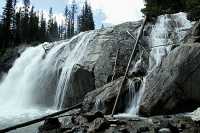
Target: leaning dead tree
(128, 66)
(142, 47)
(114, 70)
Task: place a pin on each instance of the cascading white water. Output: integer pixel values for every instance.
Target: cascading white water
(75, 57)
(168, 30)
(26, 83)
(25, 80)
(34, 85)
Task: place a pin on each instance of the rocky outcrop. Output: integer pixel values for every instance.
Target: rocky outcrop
(103, 99)
(99, 60)
(7, 58)
(173, 87)
(105, 124)
(102, 50)
(50, 125)
(196, 32)
(81, 82)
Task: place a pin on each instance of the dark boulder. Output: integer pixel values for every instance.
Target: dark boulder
(8, 56)
(50, 125)
(106, 95)
(98, 125)
(92, 116)
(81, 82)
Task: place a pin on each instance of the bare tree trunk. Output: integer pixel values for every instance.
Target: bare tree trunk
(127, 69)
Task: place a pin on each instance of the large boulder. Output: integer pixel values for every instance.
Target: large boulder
(173, 87)
(81, 82)
(102, 50)
(50, 125)
(99, 59)
(103, 99)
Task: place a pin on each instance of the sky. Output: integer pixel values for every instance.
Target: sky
(107, 12)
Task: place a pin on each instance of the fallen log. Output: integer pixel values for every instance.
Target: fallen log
(25, 124)
(165, 45)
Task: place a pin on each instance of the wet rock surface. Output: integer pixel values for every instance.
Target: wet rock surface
(102, 50)
(81, 82)
(107, 124)
(50, 125)
(8, 57)
(103, 98)
(173, 87)
(196, 32)
(99, 61)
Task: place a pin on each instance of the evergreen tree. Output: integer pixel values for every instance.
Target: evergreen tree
(18, 31)
(1, 34)
(25, 22)
(89, 17)
(23, 25)
(158, 7)
(69, 34)
(33, 26)
(62, 31)
(55, 31)
(8, 15)
(73, 13)
(68, 21)
(43, 31)
(79, 17)
(86, 21)
(50, 25)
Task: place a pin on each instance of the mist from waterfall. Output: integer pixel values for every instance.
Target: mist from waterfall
(168, 31)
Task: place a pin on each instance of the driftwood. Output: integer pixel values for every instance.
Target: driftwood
(153, 46)
(138, 42)
(25, 124)
(114, 70)
(127, 69)
(165, 45)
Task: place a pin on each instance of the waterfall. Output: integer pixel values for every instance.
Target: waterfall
(75, 57)
(27, 90)
(26, 80)
(168, 30)
(38, 80)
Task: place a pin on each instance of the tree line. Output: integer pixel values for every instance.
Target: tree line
(157, 7)
(82, 19)
(24, 25)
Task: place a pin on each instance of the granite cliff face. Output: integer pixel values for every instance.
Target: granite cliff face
(173, 87)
